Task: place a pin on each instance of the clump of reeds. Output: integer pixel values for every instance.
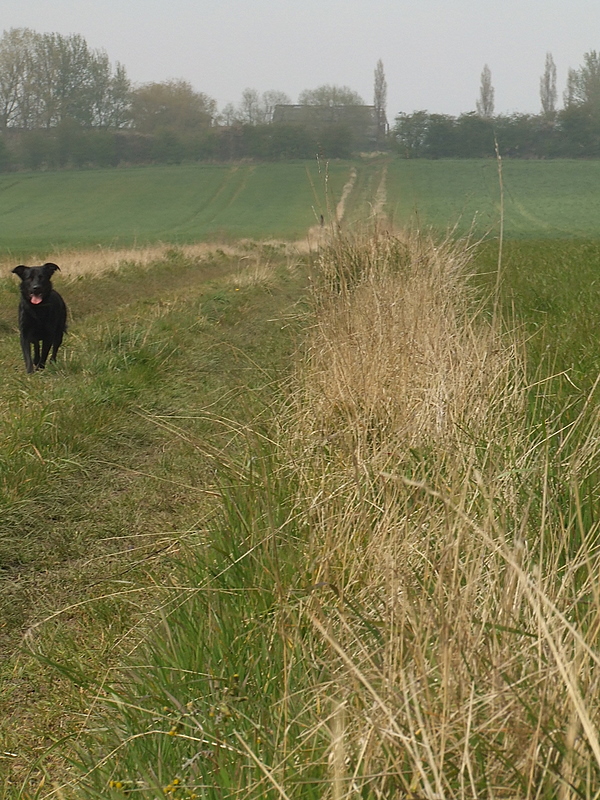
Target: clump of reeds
(453, 562)
(400, 351)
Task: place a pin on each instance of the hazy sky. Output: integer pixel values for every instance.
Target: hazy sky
(433, 51)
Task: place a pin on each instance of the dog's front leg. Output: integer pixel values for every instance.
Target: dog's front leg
(26, 348)
(46, 345)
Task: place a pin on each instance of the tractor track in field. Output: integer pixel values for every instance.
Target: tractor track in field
(380, 199)
(318, 234)
(340, 209)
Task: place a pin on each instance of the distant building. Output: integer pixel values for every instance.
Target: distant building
(367, 130)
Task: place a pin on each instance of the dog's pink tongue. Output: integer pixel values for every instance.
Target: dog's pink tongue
(36, 299)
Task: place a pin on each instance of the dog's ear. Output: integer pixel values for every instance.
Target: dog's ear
(51, 268)
(20, 270)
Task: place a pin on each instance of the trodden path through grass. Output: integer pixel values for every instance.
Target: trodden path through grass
(99, 490)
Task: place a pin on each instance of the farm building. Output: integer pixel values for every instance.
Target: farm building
(366, 129)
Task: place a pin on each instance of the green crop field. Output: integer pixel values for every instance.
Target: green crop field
(542, 199)
(207, 202)
(176, 204)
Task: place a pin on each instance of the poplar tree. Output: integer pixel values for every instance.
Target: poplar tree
(588, 83)
(485, 104)
(548, 93)
(571, 90)
(380, 95)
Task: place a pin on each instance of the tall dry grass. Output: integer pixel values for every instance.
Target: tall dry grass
(453, 561)
(76, 263)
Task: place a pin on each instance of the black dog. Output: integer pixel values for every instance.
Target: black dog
(42, 315)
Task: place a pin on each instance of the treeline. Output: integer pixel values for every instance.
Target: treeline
(70, 145)
(62, 104)
(48, 78)
(573, 133)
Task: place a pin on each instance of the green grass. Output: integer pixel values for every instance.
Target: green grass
(107, 468)
(543, 199)
(176, 204)
(195, 202)
(216, 675)
(551, 289)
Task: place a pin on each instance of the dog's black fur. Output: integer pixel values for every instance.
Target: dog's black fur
(42, 315)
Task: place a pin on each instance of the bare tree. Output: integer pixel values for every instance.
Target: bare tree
(380, 95)
(583, 84)
(548, 93)
(485, 104)
(228, 116)
(16, 47)
(251, 111)
(328, 95)
(271, 99)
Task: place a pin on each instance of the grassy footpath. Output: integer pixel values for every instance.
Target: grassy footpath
(100, 489)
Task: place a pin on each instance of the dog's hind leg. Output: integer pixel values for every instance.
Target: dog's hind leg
(46, 345)
(36, 354)
(55, 347)
(57, 341)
